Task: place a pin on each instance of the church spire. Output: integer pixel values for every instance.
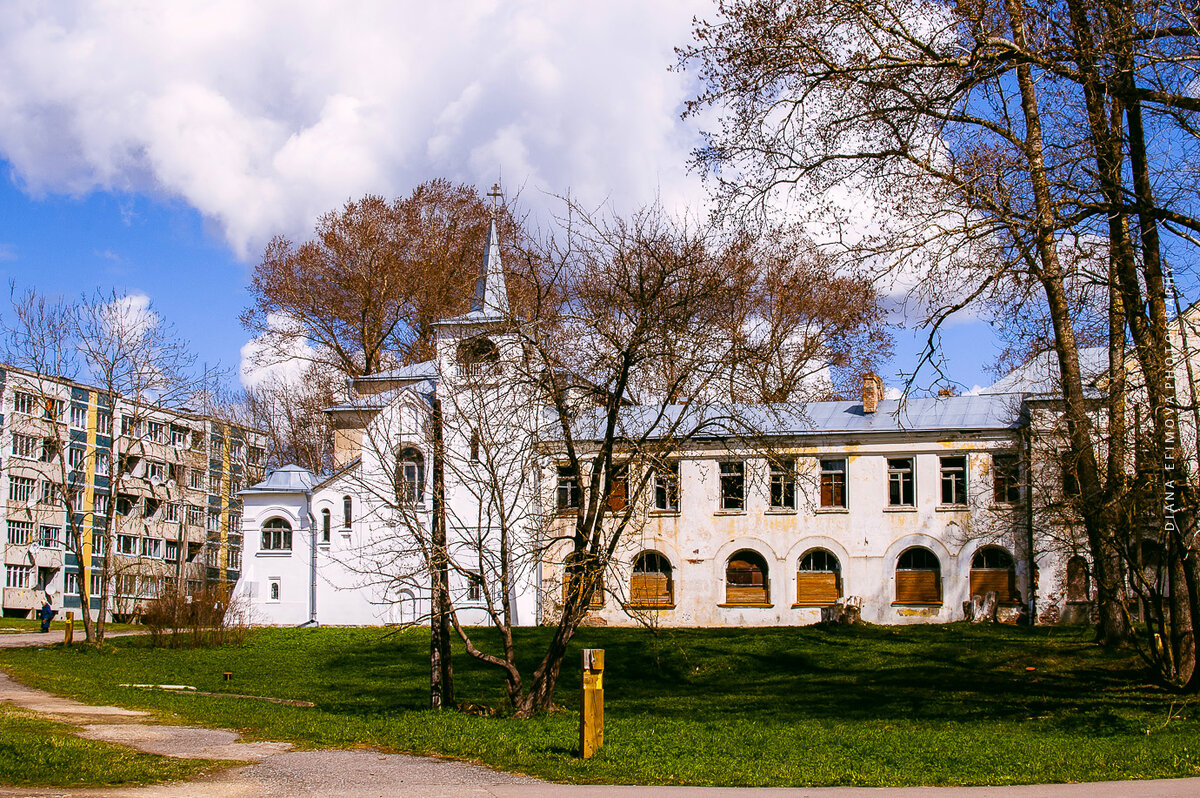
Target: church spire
(491, 294)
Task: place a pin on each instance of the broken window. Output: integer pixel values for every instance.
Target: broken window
(666, 486)
(733, 485)
(651, 584)
(783, 485)
(746, 579)
(1006, 479)
(568, 492)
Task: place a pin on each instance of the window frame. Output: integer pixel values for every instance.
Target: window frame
(898, 497)
(958, 482)
(276, 536)
(666, 487)
(782, 487)
(731, 486)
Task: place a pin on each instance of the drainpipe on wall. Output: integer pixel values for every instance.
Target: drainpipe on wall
(312, 564)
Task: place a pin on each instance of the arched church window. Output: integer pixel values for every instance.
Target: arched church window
(276, 535)
(477, 357)
(410, 476)
(326, 524)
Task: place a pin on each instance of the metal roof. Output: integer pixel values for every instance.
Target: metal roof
(1040, 376)
(287, 479)
(949, 413)
(417, 371)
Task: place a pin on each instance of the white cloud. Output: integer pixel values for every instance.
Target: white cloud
(255, 374)
(264, 115)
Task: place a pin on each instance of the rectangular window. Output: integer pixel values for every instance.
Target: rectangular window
(213, 523)
(20, 533)
(157, 431)
(954, 480)
(235, 450)
(618, 494)
(901, 482)
(71, 583)
(96, 582)
(733, 485)
(20, 489)
(474, 588)
(156, 470)
(127, 544)
(179, 437)
(104, 422)
(171, 551)
(196, 480)
(50, 537)
(18, 576)
(195, 515)
(75, 457)
(25, 403)
(568, 489)
(1070, 480)
(833, 483)
(79, 416)
(50, 450)
(783, 485)
(49, 494)
(100, 504)
(103, 463)
(233, 558)
(216, 445)
(152, 547)
(666, 487)
(256, 455)
(99, 543)
(130, 427)
(26, 446)
(170, 512)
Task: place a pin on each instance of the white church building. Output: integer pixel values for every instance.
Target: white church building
(905, 509)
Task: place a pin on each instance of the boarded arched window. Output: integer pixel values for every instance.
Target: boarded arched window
(410, 476)
(276, 535)
(477, 357)
(746, 579)
(651, 584)
(818, 579)
(1079, 590)
(918, 577)
(992, 568)
(575, 575)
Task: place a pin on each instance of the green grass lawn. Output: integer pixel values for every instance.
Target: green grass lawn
(939, 705)
(36, 752)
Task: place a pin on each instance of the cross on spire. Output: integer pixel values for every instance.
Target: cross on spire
(496, 194)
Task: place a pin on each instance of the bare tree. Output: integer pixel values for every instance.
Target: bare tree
(142, 376)
(986, 134)
(547, 426)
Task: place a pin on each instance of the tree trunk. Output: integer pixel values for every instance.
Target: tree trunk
(441, 693)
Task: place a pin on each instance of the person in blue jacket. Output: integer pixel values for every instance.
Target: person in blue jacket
(45, 613)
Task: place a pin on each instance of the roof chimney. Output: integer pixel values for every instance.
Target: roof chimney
(872, 392)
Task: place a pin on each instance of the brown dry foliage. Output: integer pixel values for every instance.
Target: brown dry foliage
(366, 289)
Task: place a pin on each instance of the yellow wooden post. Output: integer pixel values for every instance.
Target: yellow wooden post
(69, 631)
(591, 718)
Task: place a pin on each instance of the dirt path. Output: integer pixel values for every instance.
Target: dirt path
(279, 771)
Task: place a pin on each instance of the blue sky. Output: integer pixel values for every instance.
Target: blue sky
(156, 147)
